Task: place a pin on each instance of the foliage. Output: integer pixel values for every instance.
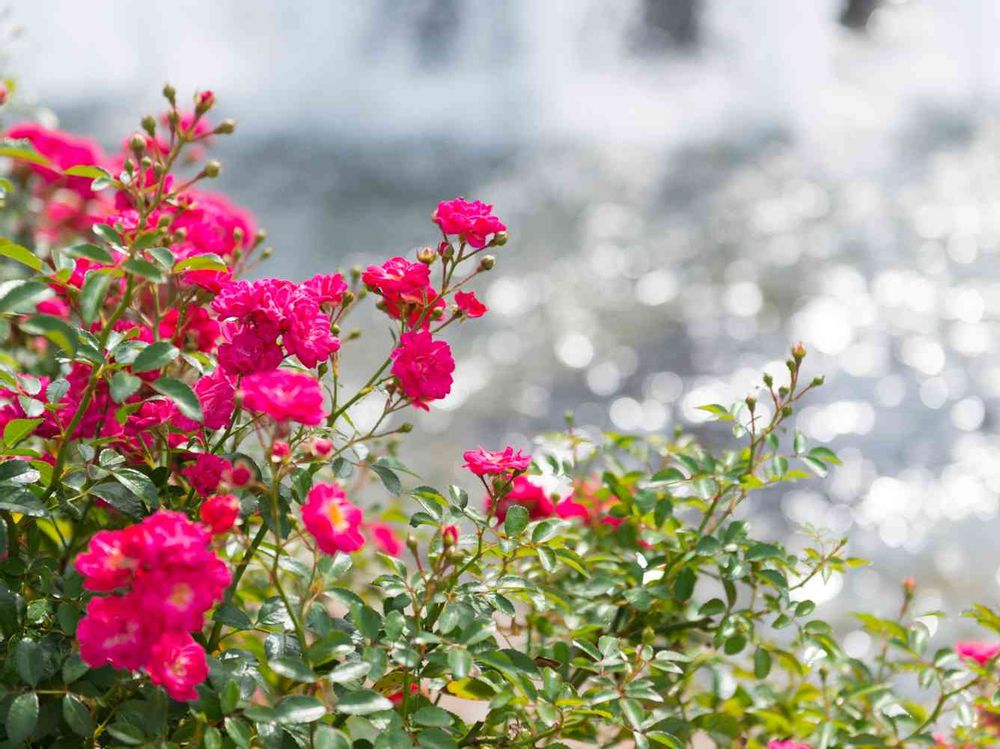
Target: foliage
(611, 594)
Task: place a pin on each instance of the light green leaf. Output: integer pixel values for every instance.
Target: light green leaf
(154, 356)
(21, 254)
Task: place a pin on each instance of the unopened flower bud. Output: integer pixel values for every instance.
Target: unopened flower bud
(412, 544)
(356, 272)
(212, 169)
(354, 334)
(446, 250)
(164, 221)
(348, 298)
(146, 162)
(226, 127)
(798, 351)
(334, 328)
(149, 124)
(449, 535)
(768, 380)
(487, 262)
(783, 390)
(426, 256)
(321, 447)
(137, 143)
(909, 586)
(203, 102)
(786, 411)
(259, 237)
(751, 402)
(406, 427)
(239, 475)
(280, 451)
(266, 253)
(173, 118)
(170, 93)
(500, 239)
(817, 381)
(791, 364)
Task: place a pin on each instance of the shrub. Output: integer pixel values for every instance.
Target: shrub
(187, 563)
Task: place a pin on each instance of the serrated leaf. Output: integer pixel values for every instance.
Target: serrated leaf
(123, 385)
(22, 717)
(93, 294)
(145, 269)
(181, 394)
(155, 356)
(20, 254)
(516, 520)
(76, 714)
(23, 296)
(299, 708)
(362, 702)
(120, 498)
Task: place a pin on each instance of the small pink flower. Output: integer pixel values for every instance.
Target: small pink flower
(494, 462)
(423, 367)
(331, 518)
(239, 475)
(529, 495)
(206, 472)
(111, 559)
(399, 281)
(786, 744)
(327, 290)
(220, 512)
(284, 396)
(63, 151)
(280, 450)
(469, 305)
(473, 221)
(112, 632)
(385, 539)
(178, 664)
(980, 652)
(568, 509)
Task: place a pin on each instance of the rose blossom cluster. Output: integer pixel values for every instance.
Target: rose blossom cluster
(161, 577)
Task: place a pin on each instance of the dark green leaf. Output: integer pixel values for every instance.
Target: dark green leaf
(76, 714)
(300, 708)
(22, 717)
(389, 479)
(139, 267)
(93, 294)
(362, 702)
(30, 661)
(516, 520)
(154, 356)
(92, 252)
(123, 385)
(24, 296)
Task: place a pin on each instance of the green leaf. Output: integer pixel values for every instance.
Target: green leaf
(325, 737)
(76, 714)
(61, 333)
(208, 261)
(761, 663)
(139, 267)
(460, 662)
(139, 484)
(516, 520)
(816, 466)
(239, 731)
(92, 252)
(350, 671)
(471, 689)
(24, 152)
(292, 667)
(93, 294)
(684, 584)
(154, 356)
(181, 394)
(30, 661)
(120, 498)
(362, 702)
(300, 708)
(22, 717)
(825, 454)
(82, 170)
(667, 476)
(23, 501)
(389, 479)
(23, 296)
(19, 429)
(430, 715)
(21, 254)
(123, 385)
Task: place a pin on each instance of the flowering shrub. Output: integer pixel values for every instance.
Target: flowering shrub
(188, 560)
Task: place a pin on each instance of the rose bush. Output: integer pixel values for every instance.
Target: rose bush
(188, 561)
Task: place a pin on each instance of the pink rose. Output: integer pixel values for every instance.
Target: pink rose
(423, 367)
(284, 396)
(332, 520)
(473, 221)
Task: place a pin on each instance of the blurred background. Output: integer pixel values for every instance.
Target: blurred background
(690, 186)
